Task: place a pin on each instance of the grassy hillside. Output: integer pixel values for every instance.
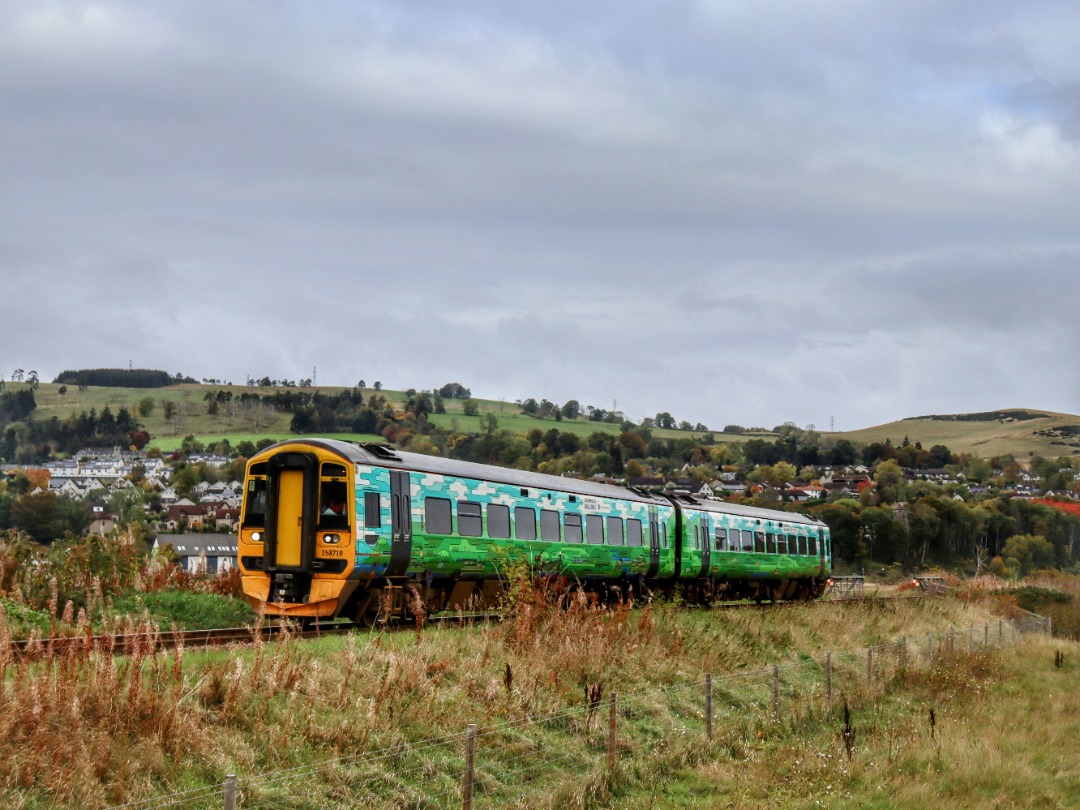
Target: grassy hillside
(1021, 432)
(1017, 431)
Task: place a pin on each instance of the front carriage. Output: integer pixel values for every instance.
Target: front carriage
(432, 531)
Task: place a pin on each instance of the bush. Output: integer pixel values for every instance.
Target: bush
(187, 610)
(21, 620)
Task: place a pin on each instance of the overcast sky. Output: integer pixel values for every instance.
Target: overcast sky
(736, 212)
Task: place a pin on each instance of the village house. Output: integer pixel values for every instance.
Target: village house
(202, 553)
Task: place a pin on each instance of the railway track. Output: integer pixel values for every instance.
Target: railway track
(156, 640)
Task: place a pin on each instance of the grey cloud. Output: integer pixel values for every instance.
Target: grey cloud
(830, 210)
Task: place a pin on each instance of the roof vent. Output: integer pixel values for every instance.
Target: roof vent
(384, 451)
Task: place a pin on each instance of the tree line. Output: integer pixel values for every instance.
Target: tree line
(26, 441)
(121, 378)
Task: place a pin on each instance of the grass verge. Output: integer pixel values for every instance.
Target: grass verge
(379, 719)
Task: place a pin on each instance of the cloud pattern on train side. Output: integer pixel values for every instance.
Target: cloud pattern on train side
(734, 213)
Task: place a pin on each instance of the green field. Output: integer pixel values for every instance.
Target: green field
(981, 438)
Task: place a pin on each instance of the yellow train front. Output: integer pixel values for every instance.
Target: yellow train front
(297, 531)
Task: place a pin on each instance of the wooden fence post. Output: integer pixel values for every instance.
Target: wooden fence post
(828, 677)
(467, 780)
(230, 791)
(708, 705)
(776, 692)
(611, 734)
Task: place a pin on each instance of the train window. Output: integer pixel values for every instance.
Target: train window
(549, 526)
(594, 529)
(498, 520)
(811, 546)
(331, 470)
(333, 498)
(794, 544)
(614, 531)
(747, 540)
(255, 502)
(720, 539)
(663, 534)
(550, 530)
(524, 523)
(633, 532)
(572, 527)
(759, 542)
(437, 512)
(781, 543)
(373, 510)
(469, 522)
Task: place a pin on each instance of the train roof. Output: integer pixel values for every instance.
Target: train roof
(385, 456)
(755, 512)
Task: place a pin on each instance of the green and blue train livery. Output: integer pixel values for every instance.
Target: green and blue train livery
(339, 529)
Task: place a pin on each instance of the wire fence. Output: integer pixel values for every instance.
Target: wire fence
(548, 760)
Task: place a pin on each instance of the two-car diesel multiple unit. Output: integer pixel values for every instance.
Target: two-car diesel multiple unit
(338, 529)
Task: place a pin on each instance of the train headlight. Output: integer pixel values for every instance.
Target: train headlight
(256, 537)
(331, 539)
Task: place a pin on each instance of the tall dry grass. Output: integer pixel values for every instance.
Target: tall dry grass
(382, 714)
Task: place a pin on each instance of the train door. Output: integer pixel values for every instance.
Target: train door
(292, 484)
(705, 541)
(288, 549)
(400, 523)
(654, 542)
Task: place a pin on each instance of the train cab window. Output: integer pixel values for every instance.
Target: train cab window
(549, 526)
(437, 515)
(498, 520)
(373, 510)
(572, 527)
(720, 539)
(759, 542)
(594, 529)
(524, 523)
(255, 502)
(614, 531)
(333, 502)
(469, 521)
(633, 532)
(781, 543)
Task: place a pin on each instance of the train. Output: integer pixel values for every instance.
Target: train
(332, 529)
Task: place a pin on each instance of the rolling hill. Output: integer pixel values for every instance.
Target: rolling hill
(1017, 431)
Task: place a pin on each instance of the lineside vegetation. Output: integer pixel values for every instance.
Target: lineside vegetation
(378, 718)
